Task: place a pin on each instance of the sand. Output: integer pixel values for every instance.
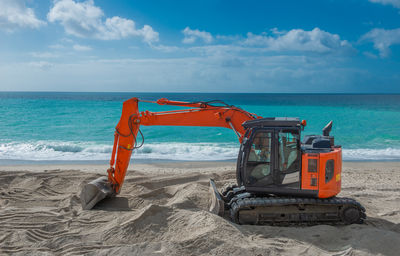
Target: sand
(162, 210)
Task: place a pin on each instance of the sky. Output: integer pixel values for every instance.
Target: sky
(310, 46)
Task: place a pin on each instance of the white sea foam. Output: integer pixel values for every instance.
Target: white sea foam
(86, 151)
(372, 154)
(54, 150)
(69, 151)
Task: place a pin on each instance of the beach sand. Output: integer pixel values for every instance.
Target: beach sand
(162, 210)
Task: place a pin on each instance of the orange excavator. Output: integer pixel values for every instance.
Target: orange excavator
(281, 180)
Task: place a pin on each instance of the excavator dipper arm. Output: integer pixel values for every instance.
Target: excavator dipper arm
(125, 140)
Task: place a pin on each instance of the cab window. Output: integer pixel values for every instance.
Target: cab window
(259, 159)
(260, 150)
(288, 152)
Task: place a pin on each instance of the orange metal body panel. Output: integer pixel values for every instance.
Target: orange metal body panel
(325, 189)
(332, 187)
(308, 175)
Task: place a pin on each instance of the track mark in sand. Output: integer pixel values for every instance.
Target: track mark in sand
(42, 235)
(23, 225)
(7, 225)
(88, 222)
(77, 249)
(34, 237)
(18, 194)
(280, 244)
(30, 220)
(46, 190)
(19, 215)
(389, 189)
(4, 237)
(16, 249)
(38, 235)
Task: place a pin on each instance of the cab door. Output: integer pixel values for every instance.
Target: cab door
(287, 172)
(259, 158)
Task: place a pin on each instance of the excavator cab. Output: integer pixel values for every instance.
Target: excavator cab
(270, 156)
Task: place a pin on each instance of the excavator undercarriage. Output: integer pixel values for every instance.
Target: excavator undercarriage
(245, 208)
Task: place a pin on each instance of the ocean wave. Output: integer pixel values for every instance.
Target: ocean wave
(70, 151)
(86, 151)
(54, 150)
(366, 154)
(188, 151)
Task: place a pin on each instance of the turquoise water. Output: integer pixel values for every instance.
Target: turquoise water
(47, 126)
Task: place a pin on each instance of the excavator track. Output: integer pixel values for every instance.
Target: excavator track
(287, 211)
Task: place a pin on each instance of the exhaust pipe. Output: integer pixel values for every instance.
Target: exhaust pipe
(95, 191)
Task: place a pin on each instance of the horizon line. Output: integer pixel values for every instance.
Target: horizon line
(316, 93)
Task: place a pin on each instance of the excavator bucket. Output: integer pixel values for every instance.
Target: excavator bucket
(217, 204)
(95, 191)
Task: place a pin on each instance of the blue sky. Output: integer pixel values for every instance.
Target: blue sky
(200, 46)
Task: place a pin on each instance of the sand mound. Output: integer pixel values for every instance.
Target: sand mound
(163, 211)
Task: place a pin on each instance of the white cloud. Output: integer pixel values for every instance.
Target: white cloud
(370, 55)
(383, 39)
(394, 3)
(276, 31)
(315, 40)
(66, 40)
(210, 73)
(57, 46)
(43, 65)
(44, 55)
(223, 50)
(191, 36)
(14, 14)
(84, 19)
(296, 41)
(81, 48)
(165, 48)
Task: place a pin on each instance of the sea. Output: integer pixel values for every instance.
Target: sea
(47, 127)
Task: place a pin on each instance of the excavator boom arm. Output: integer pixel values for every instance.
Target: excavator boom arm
(201, 114)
